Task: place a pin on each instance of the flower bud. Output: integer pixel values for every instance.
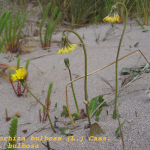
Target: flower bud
(23, 82)
(66, 61)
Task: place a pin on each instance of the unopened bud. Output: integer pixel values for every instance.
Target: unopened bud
(23, 82)
(66, 61)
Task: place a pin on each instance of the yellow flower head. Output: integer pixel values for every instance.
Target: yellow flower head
(20, 74)
(112, 19)
(66, 46)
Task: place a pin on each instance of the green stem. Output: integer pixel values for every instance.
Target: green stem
(85, 81)
(44, 107)
(116, 94)
(74, 93)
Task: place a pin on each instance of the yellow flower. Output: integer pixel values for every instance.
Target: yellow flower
(66, 46)
(20, 74)
(111, 18)
(67, 49)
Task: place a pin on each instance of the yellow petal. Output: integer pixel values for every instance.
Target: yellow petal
(106, 19)
(20, 74)
(118, 18)
(60, 50)
(66, 50)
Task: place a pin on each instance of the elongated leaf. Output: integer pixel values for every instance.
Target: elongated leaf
(49, 94)
(53, 26)
(44, 17)
(118, 129)
(49, 24)
(23, 21)
(1, 44)
(144, 30)
(56, 105)
(136, 44)
(4, 21)
(10, 30)
(13, 130)
(139, 23)
(16, 24)
(27, 64)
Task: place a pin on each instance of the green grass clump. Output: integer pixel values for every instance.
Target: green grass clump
(143, 10)
(45, 42)
(3, 23)
(13, 31)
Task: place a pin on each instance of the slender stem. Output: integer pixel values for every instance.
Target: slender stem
(44, 107)
(121, 133)
(18, 88)
(116, 94)
(23, 90)
(74, 93)
(69, 108)
(85, 81)
(13, 87)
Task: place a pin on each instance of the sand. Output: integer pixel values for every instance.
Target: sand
(133, 104)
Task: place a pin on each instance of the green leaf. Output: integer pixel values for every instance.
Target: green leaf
(65, 111)
(95, 129)
(139, 23)
(75, 115)
(147, 71)
(71, 122)
(135, 74)
(13, 130)
(56, 105)
(118, 129)
(125, 71)
(22, 24)
(2, 44)
(144, 30)
(94, 104)
(97, 114)
(27, 64)
(49, 93)
(62, 130)
(136, 44)
(43, 19)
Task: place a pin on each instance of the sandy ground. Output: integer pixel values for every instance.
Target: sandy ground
(134, 105)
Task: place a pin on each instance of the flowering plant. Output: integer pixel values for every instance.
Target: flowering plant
(20, 76)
